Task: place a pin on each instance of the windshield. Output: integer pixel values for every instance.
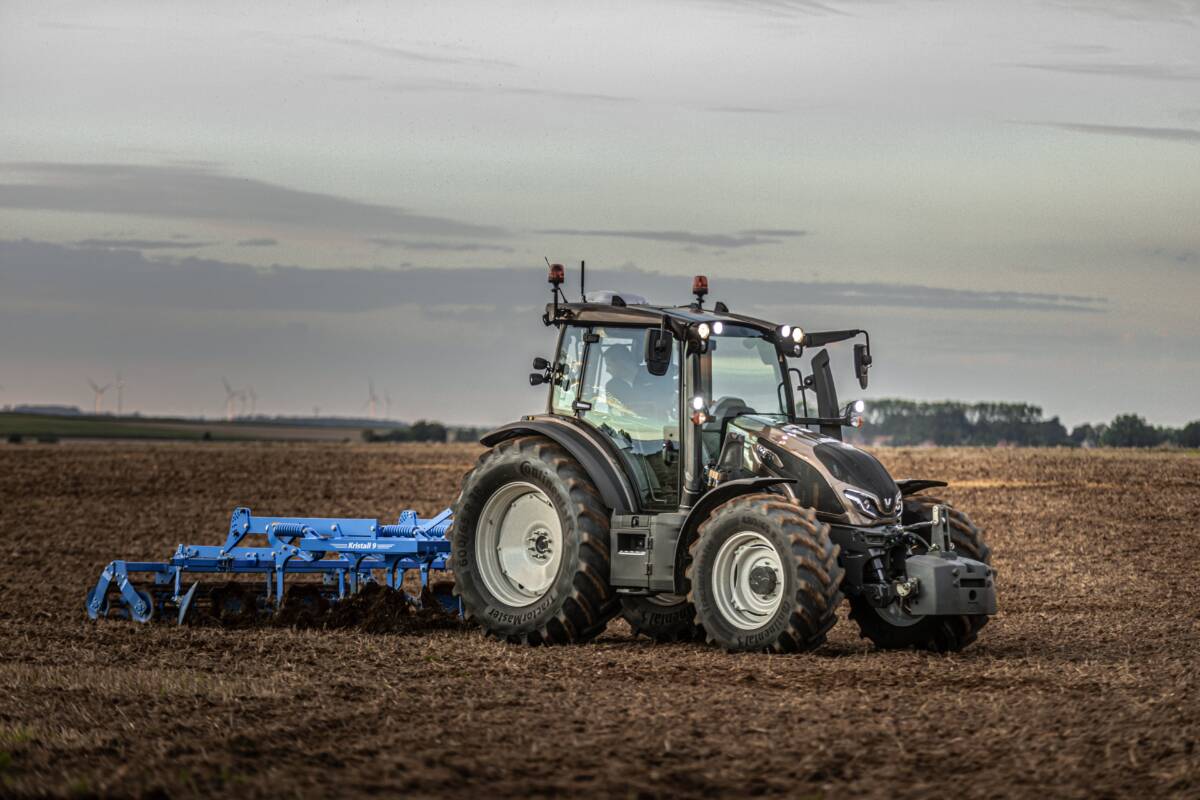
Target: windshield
(745, 374)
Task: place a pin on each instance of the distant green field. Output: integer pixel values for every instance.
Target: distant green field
(34, 426)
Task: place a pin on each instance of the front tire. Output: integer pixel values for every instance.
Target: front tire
(892, 628)
(662, 617)
(529, 546)
(764, 575)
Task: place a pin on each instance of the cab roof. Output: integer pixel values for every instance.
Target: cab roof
(645, 314)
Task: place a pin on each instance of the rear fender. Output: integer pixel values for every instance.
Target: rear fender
(587, 446)
(705, 506)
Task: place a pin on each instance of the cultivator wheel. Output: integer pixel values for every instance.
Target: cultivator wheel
(99, 607)
(892, 628)
(234, 604)
(529, 546)
(112, 605)
(763, 574)
(662, 617)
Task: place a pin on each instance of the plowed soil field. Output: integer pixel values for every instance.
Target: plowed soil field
(1086, 685)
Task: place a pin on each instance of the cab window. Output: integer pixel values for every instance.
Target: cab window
(638, 411)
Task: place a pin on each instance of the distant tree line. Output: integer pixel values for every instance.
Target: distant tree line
(910, 422)
(424, 430)
(947, 423)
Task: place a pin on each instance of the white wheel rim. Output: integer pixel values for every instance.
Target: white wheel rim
(518, 544)
(666, 600)
(748, 580)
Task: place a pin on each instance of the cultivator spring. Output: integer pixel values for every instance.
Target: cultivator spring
(346, 554)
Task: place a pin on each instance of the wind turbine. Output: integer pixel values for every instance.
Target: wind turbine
(98, 392)
(372, 399)
(231, 397)
(120, 394)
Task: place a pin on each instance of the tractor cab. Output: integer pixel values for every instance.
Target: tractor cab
(662, 384)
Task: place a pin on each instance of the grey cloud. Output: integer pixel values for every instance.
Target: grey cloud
(781, 232)
(779, 9)
(75, 26)
(143, 244)
(202, 192)
(1190, 135)
(1085, 49)
(405, 54)
(257, 242)
(1153, 72)
(1178, 11)
(33, 273)
(742, 110)
(442, 247)
(745, 239)
(443, 85)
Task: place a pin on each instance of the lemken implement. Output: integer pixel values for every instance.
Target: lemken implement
(676, 478)
(345, 553)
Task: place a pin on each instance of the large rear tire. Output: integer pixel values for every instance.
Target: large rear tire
(529, 546)
(893, 629)
(764, 575)
(662, 617)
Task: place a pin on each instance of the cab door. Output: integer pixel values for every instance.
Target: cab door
(637, 411)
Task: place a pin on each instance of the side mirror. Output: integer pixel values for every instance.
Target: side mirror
(862, 363)
(658, 351)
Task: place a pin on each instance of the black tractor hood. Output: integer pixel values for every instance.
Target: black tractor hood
(856, 468)
(821, 466)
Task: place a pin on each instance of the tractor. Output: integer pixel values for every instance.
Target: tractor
(675, 478)
(678, 478)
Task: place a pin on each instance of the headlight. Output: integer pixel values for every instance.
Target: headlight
(785, 331)
(864, 502)
(718, 328)
(703, 330)
(797, 336)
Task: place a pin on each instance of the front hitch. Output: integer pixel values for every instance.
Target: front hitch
(938, 581)
(941, 582)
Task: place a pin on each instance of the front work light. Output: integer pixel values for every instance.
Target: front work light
(703, 330)
(797, 335)
(698, 403)
(718, 328)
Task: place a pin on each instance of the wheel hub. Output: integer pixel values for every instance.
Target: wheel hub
(538, 542)
(763, 580)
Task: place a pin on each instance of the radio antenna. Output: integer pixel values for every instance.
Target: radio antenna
(582, 293)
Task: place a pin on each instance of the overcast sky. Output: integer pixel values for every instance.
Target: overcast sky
(305, 197)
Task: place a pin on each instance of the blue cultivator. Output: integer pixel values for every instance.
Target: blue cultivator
(348, 554)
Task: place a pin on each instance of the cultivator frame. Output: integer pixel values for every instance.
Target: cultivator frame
(346, 552)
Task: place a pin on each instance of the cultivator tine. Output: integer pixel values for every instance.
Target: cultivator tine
(344, 553)
(186, 602)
